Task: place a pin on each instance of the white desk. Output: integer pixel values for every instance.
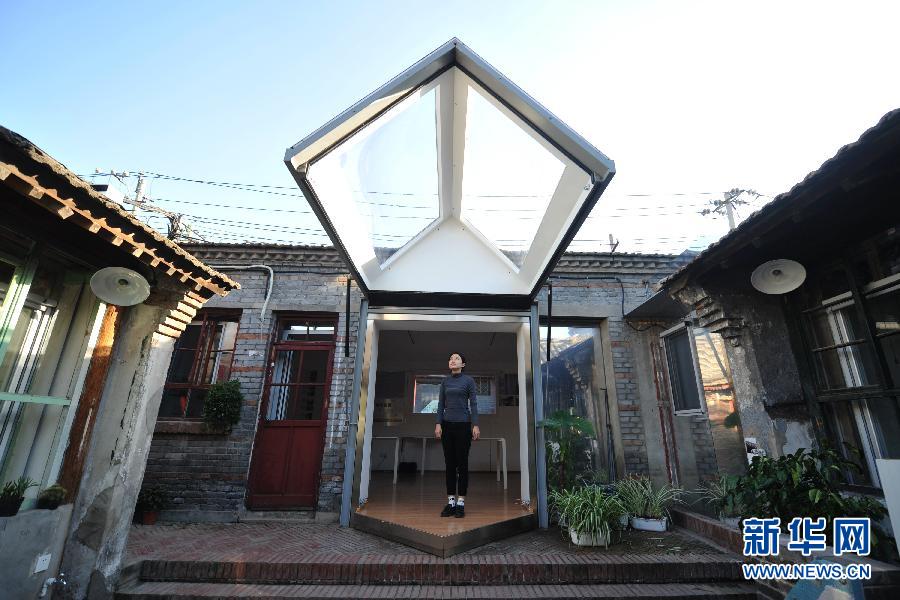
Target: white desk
(501, 442)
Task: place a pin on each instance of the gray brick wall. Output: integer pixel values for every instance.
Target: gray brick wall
(637, 286)
(205, 476)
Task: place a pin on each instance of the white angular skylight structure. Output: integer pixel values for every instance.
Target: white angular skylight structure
(449, 186)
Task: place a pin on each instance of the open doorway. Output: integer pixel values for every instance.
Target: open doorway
(401, 485)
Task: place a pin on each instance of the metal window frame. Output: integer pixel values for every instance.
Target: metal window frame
(698, 378)
(302, 155)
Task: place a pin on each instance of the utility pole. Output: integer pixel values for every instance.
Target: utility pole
(731, 199)
(138, 193)
(729, 212)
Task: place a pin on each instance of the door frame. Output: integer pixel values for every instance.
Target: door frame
(274, 346)
(522, 323)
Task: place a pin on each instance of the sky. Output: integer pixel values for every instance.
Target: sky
(690, 99)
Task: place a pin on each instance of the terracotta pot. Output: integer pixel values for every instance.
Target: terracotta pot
(10, 506)
(642, 524)
(149, 517)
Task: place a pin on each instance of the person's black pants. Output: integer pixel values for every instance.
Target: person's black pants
(456, 439)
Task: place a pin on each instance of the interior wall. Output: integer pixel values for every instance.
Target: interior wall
(426, 352)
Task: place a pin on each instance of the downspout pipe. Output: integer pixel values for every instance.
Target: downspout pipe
(270, 283)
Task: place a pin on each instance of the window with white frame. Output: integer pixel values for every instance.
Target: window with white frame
(684, 371)
(427, 393)
(49, 320)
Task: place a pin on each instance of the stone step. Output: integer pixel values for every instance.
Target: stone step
(461, 570)
(670, 591)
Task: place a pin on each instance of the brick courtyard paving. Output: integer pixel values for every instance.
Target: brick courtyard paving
(313, 560)
(286, 542)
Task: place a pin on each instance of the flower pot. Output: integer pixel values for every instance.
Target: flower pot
(10, 506)
(643, 524)
(731, 522)
(586, 539)
(149, 517)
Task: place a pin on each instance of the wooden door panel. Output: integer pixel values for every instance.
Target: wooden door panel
(307, 456)
(271, 454)
(287, 457)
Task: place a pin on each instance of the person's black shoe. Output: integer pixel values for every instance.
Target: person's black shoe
(448, 511)
(460, 511)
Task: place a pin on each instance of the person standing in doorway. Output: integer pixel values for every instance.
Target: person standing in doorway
(457, 427)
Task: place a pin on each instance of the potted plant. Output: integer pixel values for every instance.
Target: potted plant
(222, 407)
(648, 508)
(725, 495)
(150, 501)
(588, 513)
(51, 497)
(12, 495)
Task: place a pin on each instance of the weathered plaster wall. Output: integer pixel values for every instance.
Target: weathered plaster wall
(115, 463)
(23, 538)
(764, 367)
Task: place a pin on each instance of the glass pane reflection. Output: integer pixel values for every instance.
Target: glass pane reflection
(387, 175)
(508, 181)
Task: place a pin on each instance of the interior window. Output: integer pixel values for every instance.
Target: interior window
(682, 370)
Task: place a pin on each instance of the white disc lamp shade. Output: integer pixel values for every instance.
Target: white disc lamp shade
(120, 286)
(778, 276)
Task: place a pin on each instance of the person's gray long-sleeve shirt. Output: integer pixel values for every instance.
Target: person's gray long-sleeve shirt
(458, 402)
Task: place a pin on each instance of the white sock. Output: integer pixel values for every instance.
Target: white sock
(451, 500)
(461, 502)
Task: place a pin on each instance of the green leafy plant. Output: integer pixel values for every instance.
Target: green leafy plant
(151, 499)
(807, 483)
(566, 433)
(51, 497)
(587, 510)
(17, 487)
(640, 499)
(222, 407)
(12, 495)
(726, 495)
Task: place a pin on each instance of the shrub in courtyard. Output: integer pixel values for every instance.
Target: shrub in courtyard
(151, 500)
(807, 483)
(51, 497)
(222, 407)
(726, 496)
(644, 503)
(588, 513)
(567, 436)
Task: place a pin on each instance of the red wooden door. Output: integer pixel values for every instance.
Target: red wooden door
(287, 456)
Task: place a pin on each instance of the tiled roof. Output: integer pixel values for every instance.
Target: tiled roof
(780, 203)
(570, 262)
(46, 182)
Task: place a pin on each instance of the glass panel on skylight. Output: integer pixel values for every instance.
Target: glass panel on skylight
(508, 178)
(382, 183)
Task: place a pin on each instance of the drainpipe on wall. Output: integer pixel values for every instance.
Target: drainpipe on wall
(270, 284)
